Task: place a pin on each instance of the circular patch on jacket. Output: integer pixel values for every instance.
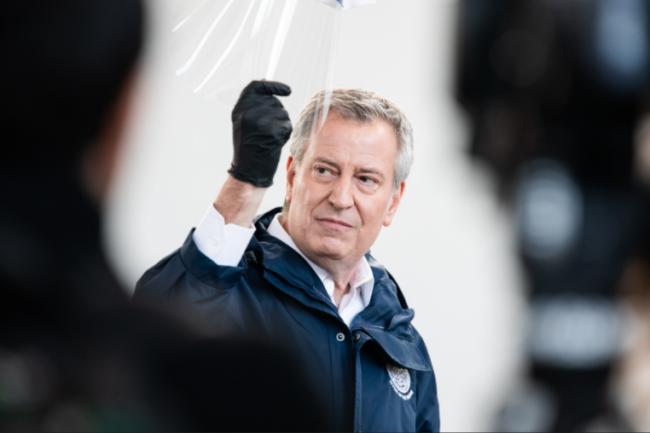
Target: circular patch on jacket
(400, 380)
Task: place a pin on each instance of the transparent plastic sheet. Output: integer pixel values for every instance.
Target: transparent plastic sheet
(221, 45)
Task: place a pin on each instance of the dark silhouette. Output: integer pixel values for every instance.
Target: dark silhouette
(75, 354)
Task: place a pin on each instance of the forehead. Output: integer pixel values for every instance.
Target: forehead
(350, 141)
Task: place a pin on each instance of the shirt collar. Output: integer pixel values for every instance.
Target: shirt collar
(362, 280)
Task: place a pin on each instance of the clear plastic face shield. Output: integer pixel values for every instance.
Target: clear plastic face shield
(222, 45)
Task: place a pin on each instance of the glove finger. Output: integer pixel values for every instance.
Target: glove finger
(269, 88)
(275, 112)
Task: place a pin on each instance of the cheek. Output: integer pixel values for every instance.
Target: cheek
(303, 200)
(310, 195)
(373, 211)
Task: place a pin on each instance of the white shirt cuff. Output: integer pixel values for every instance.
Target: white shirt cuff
(222, 243)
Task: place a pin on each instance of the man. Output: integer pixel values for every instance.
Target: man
(303, 275)
(75, 354)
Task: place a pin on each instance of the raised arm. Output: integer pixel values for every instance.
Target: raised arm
(261, 126)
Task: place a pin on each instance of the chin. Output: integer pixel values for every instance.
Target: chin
(332, 252)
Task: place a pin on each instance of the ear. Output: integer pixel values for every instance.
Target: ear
(291, 175)
(393, 204)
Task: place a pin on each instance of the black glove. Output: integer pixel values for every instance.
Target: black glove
(260, 127)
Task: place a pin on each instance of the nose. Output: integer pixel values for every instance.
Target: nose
(341, 194)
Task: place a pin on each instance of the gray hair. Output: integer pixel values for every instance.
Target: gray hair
(362, 106)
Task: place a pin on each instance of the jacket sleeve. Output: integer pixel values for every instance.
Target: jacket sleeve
(428, 414)
(189, 282)
(428, 411)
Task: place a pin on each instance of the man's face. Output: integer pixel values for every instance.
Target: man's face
(342, 192)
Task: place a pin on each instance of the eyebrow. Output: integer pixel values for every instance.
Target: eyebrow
(327, 161)
(366, 170)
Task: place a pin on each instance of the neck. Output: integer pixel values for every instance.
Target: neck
(342, 278)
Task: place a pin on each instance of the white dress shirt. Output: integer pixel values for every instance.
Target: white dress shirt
(225, 245)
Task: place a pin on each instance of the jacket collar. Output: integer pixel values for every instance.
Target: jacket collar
(287, 270)
(362, 280)
(387, 319)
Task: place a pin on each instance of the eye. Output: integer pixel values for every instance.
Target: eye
(323, 172)
(368, 182)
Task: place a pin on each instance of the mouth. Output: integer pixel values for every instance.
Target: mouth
(334, 223)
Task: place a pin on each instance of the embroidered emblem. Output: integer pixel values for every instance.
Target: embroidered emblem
(400, 380)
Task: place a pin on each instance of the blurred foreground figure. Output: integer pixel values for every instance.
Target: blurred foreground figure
(555, 92)
(74, 353)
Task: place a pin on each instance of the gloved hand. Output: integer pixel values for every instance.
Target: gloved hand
(261, 126)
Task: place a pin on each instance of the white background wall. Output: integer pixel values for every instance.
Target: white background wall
(450, 246)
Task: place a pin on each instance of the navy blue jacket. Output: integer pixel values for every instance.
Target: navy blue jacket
(375, 375)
